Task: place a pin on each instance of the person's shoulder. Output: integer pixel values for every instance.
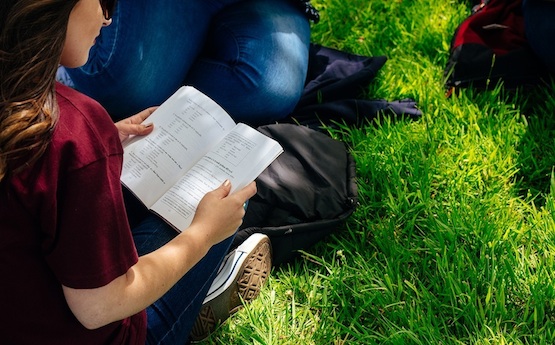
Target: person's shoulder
(76, 102)
(84, 126)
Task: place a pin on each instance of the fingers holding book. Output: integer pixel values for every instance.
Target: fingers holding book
(220, 213)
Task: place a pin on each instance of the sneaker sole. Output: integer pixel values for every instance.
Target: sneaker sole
(251, 276)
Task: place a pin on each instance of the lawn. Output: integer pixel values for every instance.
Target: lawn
(454, 238)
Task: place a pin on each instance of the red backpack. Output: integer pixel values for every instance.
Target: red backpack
(490, 45)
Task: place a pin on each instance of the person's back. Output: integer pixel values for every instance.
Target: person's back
(46, 240)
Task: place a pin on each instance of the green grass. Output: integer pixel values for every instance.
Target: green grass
(454, 238)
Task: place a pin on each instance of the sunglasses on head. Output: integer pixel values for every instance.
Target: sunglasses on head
(108, 7)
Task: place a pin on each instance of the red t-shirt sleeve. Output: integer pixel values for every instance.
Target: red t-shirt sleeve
(93, 228)
(63, 221)
(91, 243)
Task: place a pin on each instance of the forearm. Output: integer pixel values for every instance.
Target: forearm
(145, 282)
(217, 217)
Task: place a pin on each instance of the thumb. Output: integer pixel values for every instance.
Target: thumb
(140, 129)
(224, 189)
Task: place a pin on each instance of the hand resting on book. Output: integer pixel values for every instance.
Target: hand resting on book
(219, 213)
(133, 125)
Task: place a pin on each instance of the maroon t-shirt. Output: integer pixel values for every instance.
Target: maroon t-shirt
(63, 221)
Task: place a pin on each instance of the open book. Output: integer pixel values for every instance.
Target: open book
(194, 147)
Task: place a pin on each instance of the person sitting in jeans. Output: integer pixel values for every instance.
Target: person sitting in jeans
(250, 56)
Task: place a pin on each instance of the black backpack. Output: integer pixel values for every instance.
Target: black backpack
(490, 45)
(310, 190)
(304, 195)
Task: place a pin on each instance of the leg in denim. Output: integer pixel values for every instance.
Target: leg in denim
(255, 60)
(171, 318)
(143, 56)
(152, 45)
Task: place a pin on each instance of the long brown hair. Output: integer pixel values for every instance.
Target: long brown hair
(32, 36)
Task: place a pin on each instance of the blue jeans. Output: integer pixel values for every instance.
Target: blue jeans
(540, 29)
(251, 56)
(171, 318)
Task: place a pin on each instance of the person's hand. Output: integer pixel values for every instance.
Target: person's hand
(219, 213)
(132, 125)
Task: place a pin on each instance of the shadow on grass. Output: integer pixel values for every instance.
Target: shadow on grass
(536, 160)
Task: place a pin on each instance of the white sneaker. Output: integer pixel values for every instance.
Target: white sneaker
(242, 274)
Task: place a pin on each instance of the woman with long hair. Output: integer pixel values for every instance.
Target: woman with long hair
(73, 271)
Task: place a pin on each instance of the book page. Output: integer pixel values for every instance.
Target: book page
(185, 127)
(240, 157)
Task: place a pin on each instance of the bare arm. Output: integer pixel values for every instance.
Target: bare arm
(217, 218)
